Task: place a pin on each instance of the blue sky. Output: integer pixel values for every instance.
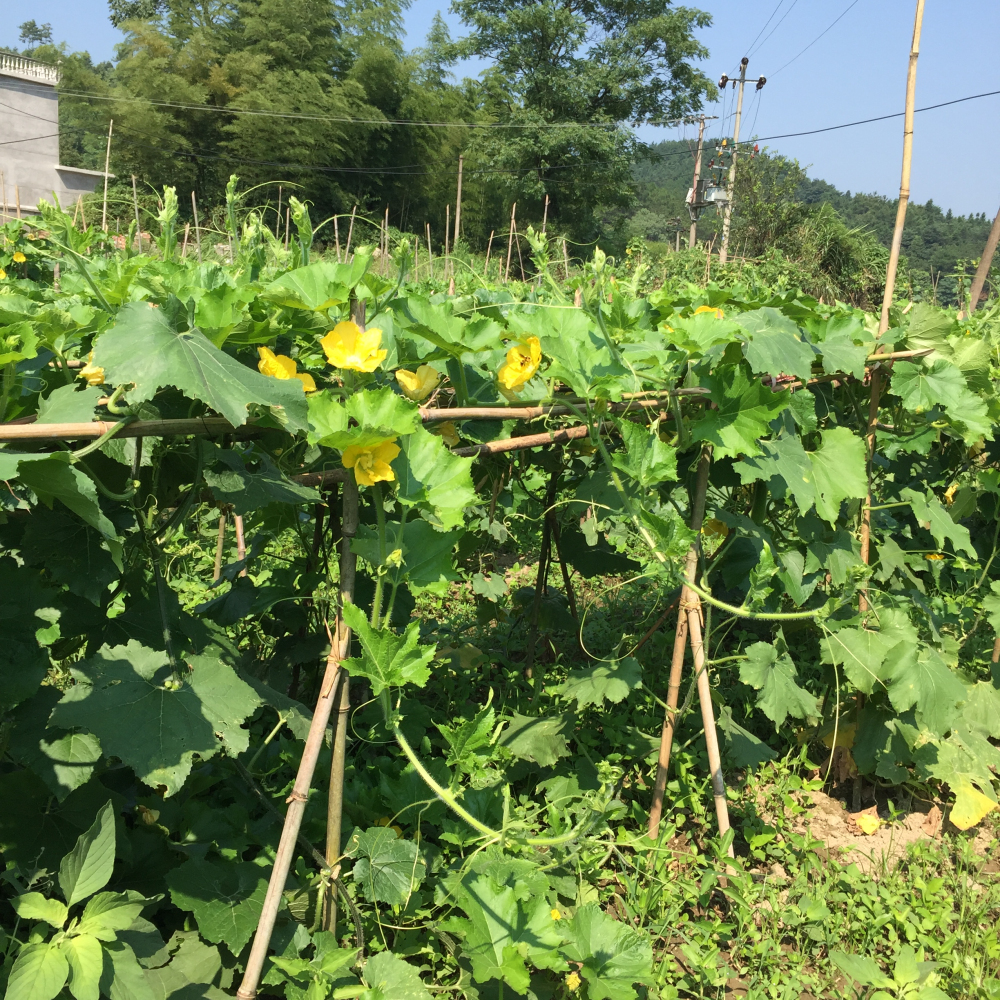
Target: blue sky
(856, 70)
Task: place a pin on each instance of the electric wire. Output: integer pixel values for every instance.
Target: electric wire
(774, 29)
(853, 4)
(766, 23)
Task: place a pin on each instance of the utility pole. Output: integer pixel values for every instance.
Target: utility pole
(693, 238)
(728, 217)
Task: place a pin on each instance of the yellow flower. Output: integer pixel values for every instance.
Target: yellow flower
(418, 385)
(555, 914)
(91, 372)
(371, 462)
(949, 494)
(3, 274)
(714, 527)
(573, 982)
(709, 309)
(523, 360)
(448, 433)
(279, 366)
(19, 257)
(934, 556)
(348, 346)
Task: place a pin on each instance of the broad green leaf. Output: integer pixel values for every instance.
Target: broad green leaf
(929, 382)
(377, 415)
(86, 963)
(964, 756)
(69, 404)
(645, 457)
(54, 478)
(742, 747)
(153, 720)
(932, 515)
(982, 709)
(431, 476)
(143, 348)
(859, 653)
(87, 868)
(39, 973)
(699, 333)
(919, 678)
(317, 287)
(252, 481)
(427, 554)
(387, 868)
(746, 408)
(612, 681)
(838, 471)
(862, 970)
(194, 962)
(123, 978)
(844, 346)
(775, 346)
(614, 955)
(436, 323)
(388, 977)
(108, 912)
(34, 906)
(928, 326)
(468, 737)
(225, 897)
(771, 672)
(787, 469)
(538, 739)
(389, 660)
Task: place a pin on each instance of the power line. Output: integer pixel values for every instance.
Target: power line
(775, 28)
(816, 39)
(766, 23)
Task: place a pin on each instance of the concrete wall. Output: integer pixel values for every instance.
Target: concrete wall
(29, 141)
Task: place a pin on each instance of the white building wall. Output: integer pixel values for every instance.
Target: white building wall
(29, 140)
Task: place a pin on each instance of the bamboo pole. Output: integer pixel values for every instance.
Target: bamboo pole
(350, 233)
(458, 205)
(447, 226)
(430, 252)
(976, 291)
(680, 644)
(17, 198)
(510, 240)
(197, 228)
(565, 260)
(135, 205)
(890, 281)
(489, 247)
(219, 546)
(545, 215)
(107, 164)
(277, 221)
(336, 238)
(329, 691)
(288, 221)
(241, 543)
(187, 234)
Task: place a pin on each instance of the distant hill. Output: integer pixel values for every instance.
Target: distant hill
(934, 241)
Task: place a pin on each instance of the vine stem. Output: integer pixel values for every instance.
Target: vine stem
(376, 615)
(763, 616)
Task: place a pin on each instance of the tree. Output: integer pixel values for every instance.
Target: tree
(567, 79)
(33, 34)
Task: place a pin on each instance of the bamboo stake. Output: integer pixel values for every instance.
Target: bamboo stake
(288, 221)
(338, 763)
(219, 544)
(520, 259)
(680, 643)
(975, 293)
(545, 215)
(510, 240)
(83, 215)
(385, 245)
(241, 544)
(76, 208)
(565, 261)
(447, 226)
(890, 281)
(430, 253)
(187, 233)
(458, 205)
(336, 238)
(277, 221)
(197, 228)
(107, 164)
(350, 233)
(489, 247)
(135, 205)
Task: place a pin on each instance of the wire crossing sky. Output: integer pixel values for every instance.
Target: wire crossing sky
(826, 64)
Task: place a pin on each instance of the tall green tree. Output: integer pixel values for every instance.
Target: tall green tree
(567, 79)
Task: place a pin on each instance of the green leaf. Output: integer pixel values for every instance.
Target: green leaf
(390, 978)
(742, 747)
(918, 678)
(34, 906)
(86, 963)
(746, 408)
(612, 681)
(859, 653)
(645, 457)
(862, 970)
(431, 476)
(378, 414)
(930, 382)
(153, 720)
(225, 897)
(87, 868)
(143, 348)
(427, 563)
(388, 868)
(770, 671)
(70, 404)
(123, 978)
(108, 912)
(39, 973)
(844, 347)
(252, 481)
(614, 955)
(194, 963)
(390, 660)
(982, 709)
(776, 346)
(436, 323)
(468, 737)
(538, 739)
(935, 519)
(317, 287)
(54, 478)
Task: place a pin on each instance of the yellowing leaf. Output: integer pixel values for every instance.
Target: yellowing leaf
(971, 805)
(868, 824)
